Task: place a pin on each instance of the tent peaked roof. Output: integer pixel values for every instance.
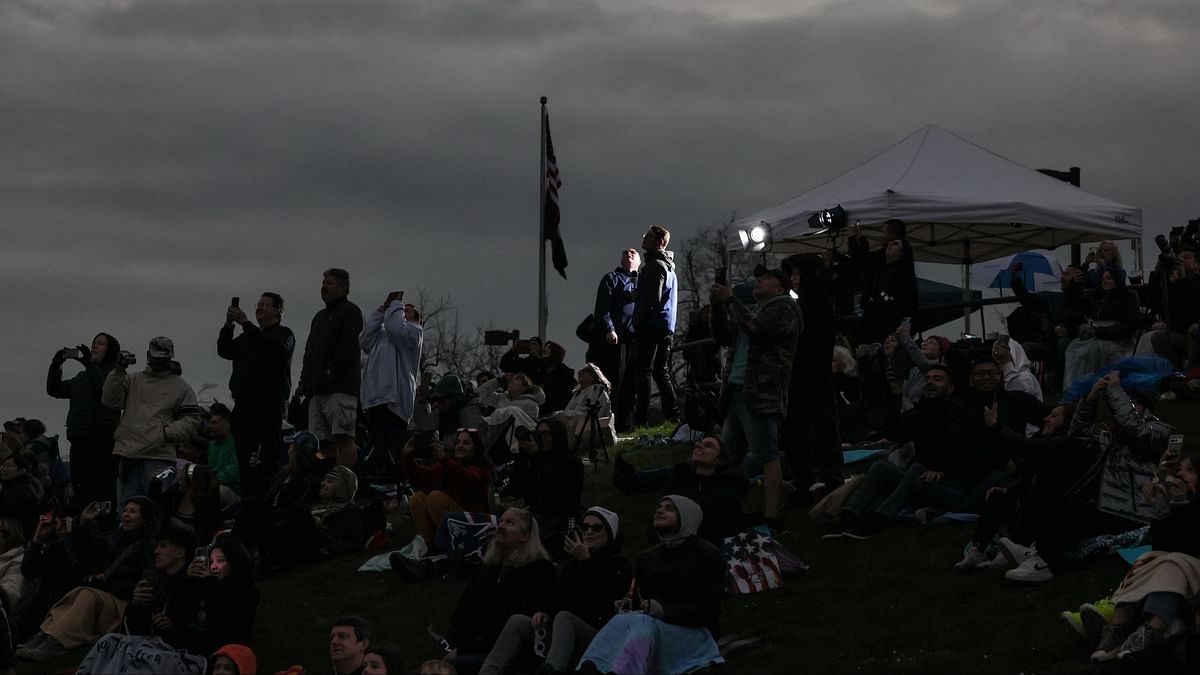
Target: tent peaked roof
(961, 201)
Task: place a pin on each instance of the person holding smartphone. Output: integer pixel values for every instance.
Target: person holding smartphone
(260, 383)
(90, 424)
(391, 338)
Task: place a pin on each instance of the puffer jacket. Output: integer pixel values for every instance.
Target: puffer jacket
(491, 394)
(86, 416)
(160, 412)
(773, 331)
(1128, 455)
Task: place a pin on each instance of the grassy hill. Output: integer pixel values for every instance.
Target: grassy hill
(891, 604)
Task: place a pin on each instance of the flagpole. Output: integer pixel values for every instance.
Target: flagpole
(543, 310)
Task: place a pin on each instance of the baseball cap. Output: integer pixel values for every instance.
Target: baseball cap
(304, 439)
(162, 347)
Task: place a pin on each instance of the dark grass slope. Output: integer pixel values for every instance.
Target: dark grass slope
(891, 604)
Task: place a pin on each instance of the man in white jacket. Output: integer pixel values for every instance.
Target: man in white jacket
(391, 338)
(160, 413)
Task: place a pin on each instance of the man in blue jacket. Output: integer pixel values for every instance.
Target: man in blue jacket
(611, 347)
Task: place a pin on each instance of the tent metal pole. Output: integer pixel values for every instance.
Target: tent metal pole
(966, 291)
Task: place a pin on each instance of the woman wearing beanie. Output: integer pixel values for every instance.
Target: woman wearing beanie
(594, 577)
(671, 617)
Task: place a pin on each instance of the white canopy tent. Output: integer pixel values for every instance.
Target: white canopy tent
(962, 204)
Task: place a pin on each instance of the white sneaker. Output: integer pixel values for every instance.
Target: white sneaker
(1013, 552)
(973, 558)
(1033, 570)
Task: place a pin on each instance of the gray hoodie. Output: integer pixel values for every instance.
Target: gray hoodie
(690, 517)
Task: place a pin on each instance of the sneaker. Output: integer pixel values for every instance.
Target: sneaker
(1076, 623)
(47, 649)
(1111, 639)
(1095, 616)
(1033, 570)
(1012, 551)
(973, 558)
(1145, 637)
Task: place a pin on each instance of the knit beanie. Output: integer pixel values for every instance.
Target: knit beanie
(610, 520)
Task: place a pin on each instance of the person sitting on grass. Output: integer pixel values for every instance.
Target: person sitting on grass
(349, 639)
(258, 522)
(1105, 499)
(669, 621)
(21, 492)
(383, 659)
(95, 608)
(1157, 589)
(332, 526)
(457, 481)
(165, 604)
(514, 390)
(517, 577)
(592, 395)
(546, 478)
(454, 408)
(226, 581)
(594, 577)
(1048, 464)
(192, 502)
(705, 478)
(15, 590)
(234, 660)
(946, 471)
(932, 351)
(558, 381)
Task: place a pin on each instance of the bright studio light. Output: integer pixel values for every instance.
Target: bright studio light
(756, 238)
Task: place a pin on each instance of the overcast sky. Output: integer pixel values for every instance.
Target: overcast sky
(158, 157)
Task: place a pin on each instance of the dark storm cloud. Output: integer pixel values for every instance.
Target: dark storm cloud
(158, 157)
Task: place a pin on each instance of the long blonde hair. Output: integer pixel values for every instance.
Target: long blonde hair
(530, 551)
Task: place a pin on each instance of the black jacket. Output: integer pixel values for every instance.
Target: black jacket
(86, 416)
(590, 588)
(719, 496)
(1182, 301)
(688, 580)
(493, 595)
(558, 383)
(122, 556)
(226, 615)
(331, 362)
(1179, 531)
(262, 363)
(940, 431)
(179, 597)
(1120, 306)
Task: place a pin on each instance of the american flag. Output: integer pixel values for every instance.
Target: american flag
(550, 212)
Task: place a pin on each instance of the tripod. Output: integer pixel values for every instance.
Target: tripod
(591, 426)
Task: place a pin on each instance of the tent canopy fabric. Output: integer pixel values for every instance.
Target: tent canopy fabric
(961, 203)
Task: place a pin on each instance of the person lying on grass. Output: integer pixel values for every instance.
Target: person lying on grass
(594, 577)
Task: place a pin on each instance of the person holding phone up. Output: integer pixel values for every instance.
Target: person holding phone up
(391, 338)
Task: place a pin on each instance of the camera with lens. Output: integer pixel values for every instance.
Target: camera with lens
(499, 338)
(126, 359)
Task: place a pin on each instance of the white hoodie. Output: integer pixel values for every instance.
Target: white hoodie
(1017, 376)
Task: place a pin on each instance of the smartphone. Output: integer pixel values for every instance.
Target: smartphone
(906, 322)
(104, 507)
(395, 296)
(423, 441)
(234, 301)
(721, 276)
(201, 554)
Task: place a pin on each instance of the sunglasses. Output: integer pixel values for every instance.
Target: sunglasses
(595, 527)
(469, 430)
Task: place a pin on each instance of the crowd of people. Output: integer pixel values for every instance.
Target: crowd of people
(150, 537)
